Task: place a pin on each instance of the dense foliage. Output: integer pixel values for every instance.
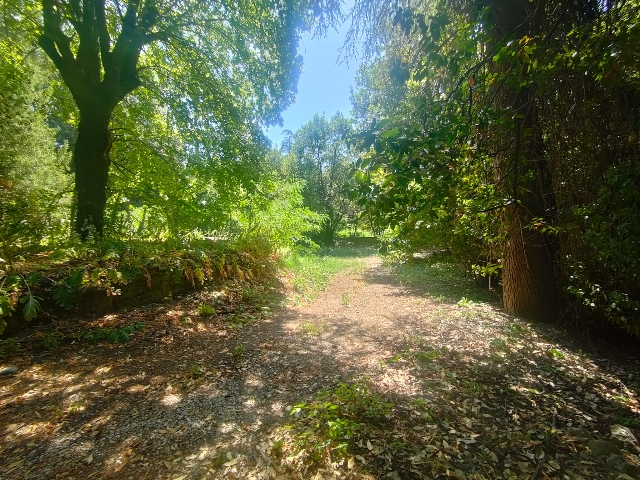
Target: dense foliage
(320, 155)
(515, 148)
(141, 121)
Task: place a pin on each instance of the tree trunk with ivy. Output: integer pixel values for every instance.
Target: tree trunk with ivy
(529, 280)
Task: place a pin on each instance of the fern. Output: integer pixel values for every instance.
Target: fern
(31, 306)
(65, 294)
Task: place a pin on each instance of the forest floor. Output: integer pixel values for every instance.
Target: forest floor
(390, 373)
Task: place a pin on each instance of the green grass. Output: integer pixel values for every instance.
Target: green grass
(312, 272)
(442, 281)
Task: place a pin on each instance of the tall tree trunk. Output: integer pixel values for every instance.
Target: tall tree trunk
(91, 161)
(529, 282)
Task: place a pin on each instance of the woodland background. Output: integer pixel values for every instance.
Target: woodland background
(502, 132)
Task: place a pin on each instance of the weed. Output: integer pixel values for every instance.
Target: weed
(473, 388)
(51, 340)
(9, 346)
(77, 406)
(66, 293)
(549, 436)
(396, 358)
(276, 448)
(325, 428)
(499, 344)
(310, 328)
(195, 370)
(238, 351)
(465, 303)
(206, 310)
(426, 356)
(346, 301)
(555, 353)
(238, 321)
(113, 335)
(515, 329)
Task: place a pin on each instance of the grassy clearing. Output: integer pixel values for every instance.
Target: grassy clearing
(441, 279)
(311, 273)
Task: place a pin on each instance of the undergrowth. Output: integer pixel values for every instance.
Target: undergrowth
(326, 429)
(441, 278)
(56, 279)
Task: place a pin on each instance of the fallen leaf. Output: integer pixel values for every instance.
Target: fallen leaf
(230, 462)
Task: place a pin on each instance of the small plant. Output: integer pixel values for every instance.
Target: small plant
(465, 303)
(238, 351)
(555, 353)
(346, 301)
(325, 428)
(195, 370)
(9, 346)
(310, 328)
(206, 310)
(499, 344)
(276, 448)
(51, 340)
(239, 321)
(426, 356)
(31, 302)
(473, 387)
(113, 335)
(66, 293)
(77, 406)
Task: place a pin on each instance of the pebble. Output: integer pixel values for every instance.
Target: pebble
(8, 370)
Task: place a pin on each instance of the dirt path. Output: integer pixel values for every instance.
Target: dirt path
(476, 394)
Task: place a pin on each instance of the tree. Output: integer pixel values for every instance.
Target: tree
(482, 159)
(320, 155)
(239, 56)
(529, 279)
(34, 185)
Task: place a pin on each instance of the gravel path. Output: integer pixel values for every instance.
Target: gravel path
(177, 399)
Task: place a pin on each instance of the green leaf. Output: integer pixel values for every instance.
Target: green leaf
(31, 307)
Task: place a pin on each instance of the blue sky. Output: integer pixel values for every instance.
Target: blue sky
(324, 84)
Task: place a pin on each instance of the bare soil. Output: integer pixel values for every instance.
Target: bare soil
(476, 394)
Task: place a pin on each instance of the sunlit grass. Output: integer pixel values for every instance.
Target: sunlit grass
(311, 272)
(442, 281)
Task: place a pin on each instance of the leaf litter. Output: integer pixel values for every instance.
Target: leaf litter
(472, 392)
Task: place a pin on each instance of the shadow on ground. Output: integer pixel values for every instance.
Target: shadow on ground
(476, 393)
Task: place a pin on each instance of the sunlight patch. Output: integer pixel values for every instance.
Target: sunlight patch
(227, 427)
(171, 400)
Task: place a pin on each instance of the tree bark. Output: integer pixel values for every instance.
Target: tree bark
(529, 280)
(99, 76)
(528, 275)
(91, 161)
